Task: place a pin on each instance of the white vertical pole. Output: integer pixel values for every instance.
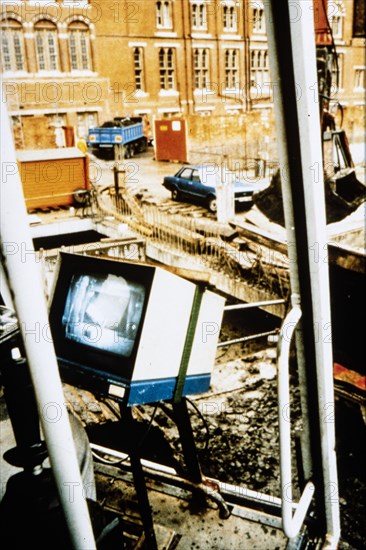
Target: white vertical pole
(293, 65)
(303, 47)
(24, 278)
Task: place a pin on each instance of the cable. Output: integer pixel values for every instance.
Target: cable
(109, 462)
(143, 438)
(204, 422)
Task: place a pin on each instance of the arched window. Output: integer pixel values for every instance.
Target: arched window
(258, 20)
(12, 46)
(201, 68)
(164, 18)
(336, 14)
(45, 33)
(259, 69)
(167, 68)
(79, 46)
(199, 16)
(231, 69)
(138, 61)
(229, 17)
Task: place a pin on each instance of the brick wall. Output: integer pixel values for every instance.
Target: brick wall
(248, 135)
(34, 133)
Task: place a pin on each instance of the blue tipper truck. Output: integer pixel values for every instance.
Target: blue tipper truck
(118, 139)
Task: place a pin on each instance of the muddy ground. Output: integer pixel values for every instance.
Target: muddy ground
(236, 426)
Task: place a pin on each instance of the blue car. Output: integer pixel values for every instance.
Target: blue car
(198, 184)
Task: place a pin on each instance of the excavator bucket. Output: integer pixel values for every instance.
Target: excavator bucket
(344, 193)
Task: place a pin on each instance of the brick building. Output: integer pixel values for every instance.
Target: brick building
(84, 62)
(48, 69)
(207, 56)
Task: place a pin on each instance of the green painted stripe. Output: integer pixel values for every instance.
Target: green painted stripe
(181, 378)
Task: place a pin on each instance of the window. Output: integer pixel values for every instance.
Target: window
(12, 46)
(138, 61)
(360, 73)
(232, 69)
(167, 69)
(259, 68)
(85, 122)
(201, 68)
(164, 15)
(45, 33)
(336, 13)
(79, 46)
(186, 174)
(199, 16)
(196, 176)
(259, 25)
(229, 18)
(359, 17)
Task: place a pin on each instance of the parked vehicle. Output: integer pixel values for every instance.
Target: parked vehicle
(118, 138)
(199, 183)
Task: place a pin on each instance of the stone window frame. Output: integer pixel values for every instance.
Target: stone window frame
(259, 21)
(232, 64)
(201, 68)
(259, 66)
(79, 45)
(336, 15)
(167, 68)
(164, 14)
(12, 39)
(230, 18)
(139, 68)
(199, 16)
(46, 45)
(359, 78)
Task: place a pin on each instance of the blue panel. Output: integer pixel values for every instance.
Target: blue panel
(151, 391)
(197, 384)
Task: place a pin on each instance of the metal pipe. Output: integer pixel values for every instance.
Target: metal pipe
(255, 304)
(291, 524)
(279, 82)
(291, 42)
(233, 490)
(303, 44)
(246, 338)
(23, 276)
(168, 474)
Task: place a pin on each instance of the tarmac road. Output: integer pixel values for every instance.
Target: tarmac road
(142, 172)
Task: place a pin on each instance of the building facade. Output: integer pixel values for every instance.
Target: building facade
(209, 56)
(84, 62)
(175, 57)
(48, 67)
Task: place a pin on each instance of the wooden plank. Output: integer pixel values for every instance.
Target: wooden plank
(190, 274)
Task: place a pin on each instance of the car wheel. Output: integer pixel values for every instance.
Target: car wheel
(212, 204)
(175, 195)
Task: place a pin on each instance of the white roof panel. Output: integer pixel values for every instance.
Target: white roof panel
(29, 155)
